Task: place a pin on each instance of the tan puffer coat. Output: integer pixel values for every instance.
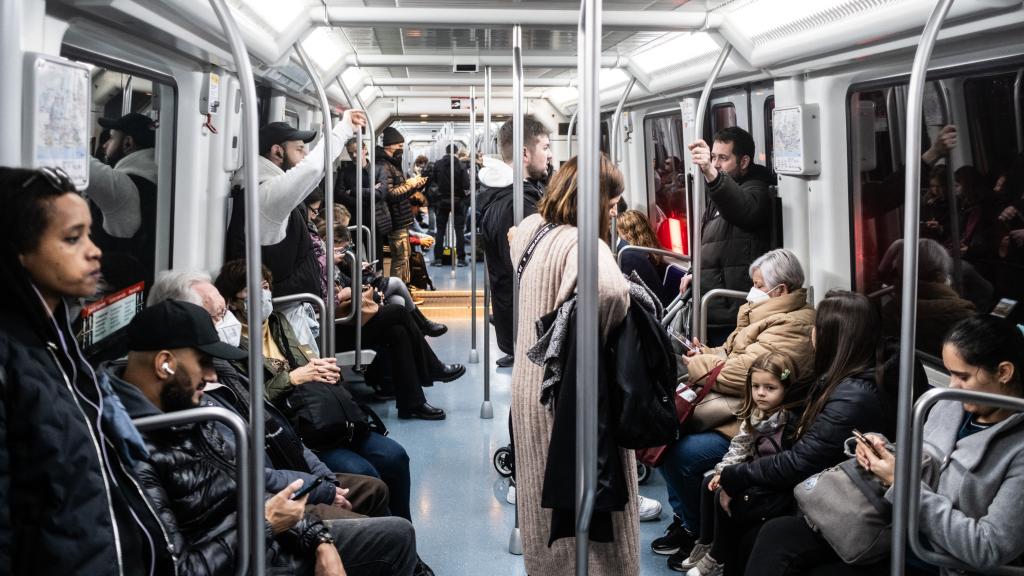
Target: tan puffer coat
(782, 324)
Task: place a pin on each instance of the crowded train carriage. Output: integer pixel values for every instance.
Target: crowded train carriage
(702, 286)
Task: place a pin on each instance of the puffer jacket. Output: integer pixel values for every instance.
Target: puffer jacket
(976, 512)
(781, 324)
(389, 179)
(60, 510)
(736, 230)
(939, 308)
(442, 175)
(191, 479)
(855, 403)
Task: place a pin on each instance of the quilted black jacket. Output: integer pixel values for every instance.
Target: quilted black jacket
(855, 403)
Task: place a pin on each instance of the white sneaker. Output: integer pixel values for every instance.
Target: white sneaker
(707, 566)
(510, 497)
(650, 509)
(698, 552)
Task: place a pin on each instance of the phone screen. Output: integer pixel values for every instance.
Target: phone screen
(306, 489)
(864, 439)
(679, 338)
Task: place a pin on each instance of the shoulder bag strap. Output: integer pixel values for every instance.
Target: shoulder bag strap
(537, 237)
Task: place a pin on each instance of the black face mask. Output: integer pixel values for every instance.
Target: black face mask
(397, 155)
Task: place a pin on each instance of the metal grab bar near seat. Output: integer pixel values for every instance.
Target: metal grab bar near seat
(647, 250)
(316, 301)
(711, 295)
(916, 453)
(238, 427)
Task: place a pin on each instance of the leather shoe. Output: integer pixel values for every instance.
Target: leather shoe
(505, 361)
(450, 372)
(437, 263)
(423, 412)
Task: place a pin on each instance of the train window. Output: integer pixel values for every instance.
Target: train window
(972, 236)
(769, 142)
(722, 116)
(667, 196)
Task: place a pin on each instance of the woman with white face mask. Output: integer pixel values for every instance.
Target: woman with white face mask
(776, 318)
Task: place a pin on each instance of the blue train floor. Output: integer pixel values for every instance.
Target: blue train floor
(459, 510)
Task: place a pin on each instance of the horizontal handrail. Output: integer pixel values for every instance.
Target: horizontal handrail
(316, 301)
(238, 427)
(921, 409)
(646, 250)
(711, 295)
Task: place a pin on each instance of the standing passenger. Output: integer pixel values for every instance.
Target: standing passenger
(737, 221)
(67, 503)
(445, 209)
(122, 198)
(548, 280)
(288, 172)
(391, 178)
(497, 216)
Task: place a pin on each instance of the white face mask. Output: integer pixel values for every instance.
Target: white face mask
(266, 304)
(229, 329)
(756, 295)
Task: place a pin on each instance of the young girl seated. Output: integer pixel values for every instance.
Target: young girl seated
(763, 417)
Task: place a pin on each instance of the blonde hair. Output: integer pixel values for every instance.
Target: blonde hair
(634, 228)
(558, 206)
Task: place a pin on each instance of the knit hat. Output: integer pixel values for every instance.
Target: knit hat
(392, 136)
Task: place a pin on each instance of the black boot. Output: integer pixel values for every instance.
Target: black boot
(426, 326)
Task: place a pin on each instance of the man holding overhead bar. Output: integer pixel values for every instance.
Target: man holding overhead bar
(288, 172)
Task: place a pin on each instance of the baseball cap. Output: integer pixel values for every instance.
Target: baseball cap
(281, 132)
(173, 324)
(140, 127)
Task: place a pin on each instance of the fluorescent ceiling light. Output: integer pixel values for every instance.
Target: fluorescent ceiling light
(561, 95)
(352, 75)
(276, 14)
(366, 93)
(323, 47)
(760, 17)
(612, 78)
(683, 48)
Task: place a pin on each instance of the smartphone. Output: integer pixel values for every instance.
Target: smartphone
(864, 440)
(1004, 308)
(306, 489)
(371, 264)
(687, 345)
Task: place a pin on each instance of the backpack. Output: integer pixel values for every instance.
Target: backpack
(327, 416)
(418, 275)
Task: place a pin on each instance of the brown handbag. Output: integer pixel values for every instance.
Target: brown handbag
(689, 397)
(369, 306)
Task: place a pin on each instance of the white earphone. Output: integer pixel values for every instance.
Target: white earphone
(167, 368)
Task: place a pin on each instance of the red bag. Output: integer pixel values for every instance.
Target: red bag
(688, 397)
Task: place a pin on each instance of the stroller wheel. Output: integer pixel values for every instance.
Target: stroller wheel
(643, 472)
(503, 461)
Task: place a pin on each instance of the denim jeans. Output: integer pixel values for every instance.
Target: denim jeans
(683, 468)
(380, 457)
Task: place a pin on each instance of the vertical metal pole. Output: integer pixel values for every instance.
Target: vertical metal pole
(699, 186)
(474, 357)
(1018, 87)
(615, 141)
(953, 208)
(371, 170)
(328, 143)
(517, 151)
(911, 215)
(572, 125)
(126, 97)
(588, 207)
(357, 283)
(486, 409)
(450, 233)
(253, 516)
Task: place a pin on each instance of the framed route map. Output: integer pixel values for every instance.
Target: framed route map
(56, 121)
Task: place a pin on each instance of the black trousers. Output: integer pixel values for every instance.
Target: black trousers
(501, 308)
(443, 215)
(788, 546)
(401, 347)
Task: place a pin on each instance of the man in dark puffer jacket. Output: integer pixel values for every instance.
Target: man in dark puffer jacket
(191, 478)
(391, 180)
(736, 228)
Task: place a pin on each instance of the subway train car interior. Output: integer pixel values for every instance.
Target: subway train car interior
(646, 287)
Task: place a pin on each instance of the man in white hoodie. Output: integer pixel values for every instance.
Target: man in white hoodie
(497, 216)
(288, 172)
(122, 197)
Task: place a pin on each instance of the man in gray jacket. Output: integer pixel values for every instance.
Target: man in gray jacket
(736, 227)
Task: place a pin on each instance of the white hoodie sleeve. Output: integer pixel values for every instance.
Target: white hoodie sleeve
(117, 197)
(281, 194)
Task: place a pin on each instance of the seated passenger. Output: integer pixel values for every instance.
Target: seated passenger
(67, 505)
(122, 196)
(776, 317)
(845, 396)
(634, 230)
(191, 477)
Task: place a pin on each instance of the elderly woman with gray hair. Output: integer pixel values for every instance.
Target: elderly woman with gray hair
(776, 318)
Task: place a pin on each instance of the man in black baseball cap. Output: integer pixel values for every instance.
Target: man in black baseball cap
(122, 196)
(279, 134)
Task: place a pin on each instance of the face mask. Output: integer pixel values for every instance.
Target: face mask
(229, 329)
(756, 295)
(398, 154)
(267, 304)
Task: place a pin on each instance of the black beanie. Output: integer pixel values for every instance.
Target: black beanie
(392, 136)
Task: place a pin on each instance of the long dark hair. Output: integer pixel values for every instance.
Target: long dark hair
(846, 336)
(986, 342)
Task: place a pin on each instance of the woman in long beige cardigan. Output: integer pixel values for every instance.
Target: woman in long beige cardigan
(548, 280)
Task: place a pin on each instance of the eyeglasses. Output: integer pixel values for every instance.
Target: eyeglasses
(219, 315)
(56, 177)
(315, 211)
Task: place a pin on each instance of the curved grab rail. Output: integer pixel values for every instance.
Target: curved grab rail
(356, 281)
(648, 250)
(916, 452)
(366, 236)
(316, 301)
(711, 295)
(238, 427)
(613, 141)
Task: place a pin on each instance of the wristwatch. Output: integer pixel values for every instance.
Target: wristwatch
(324, 537)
